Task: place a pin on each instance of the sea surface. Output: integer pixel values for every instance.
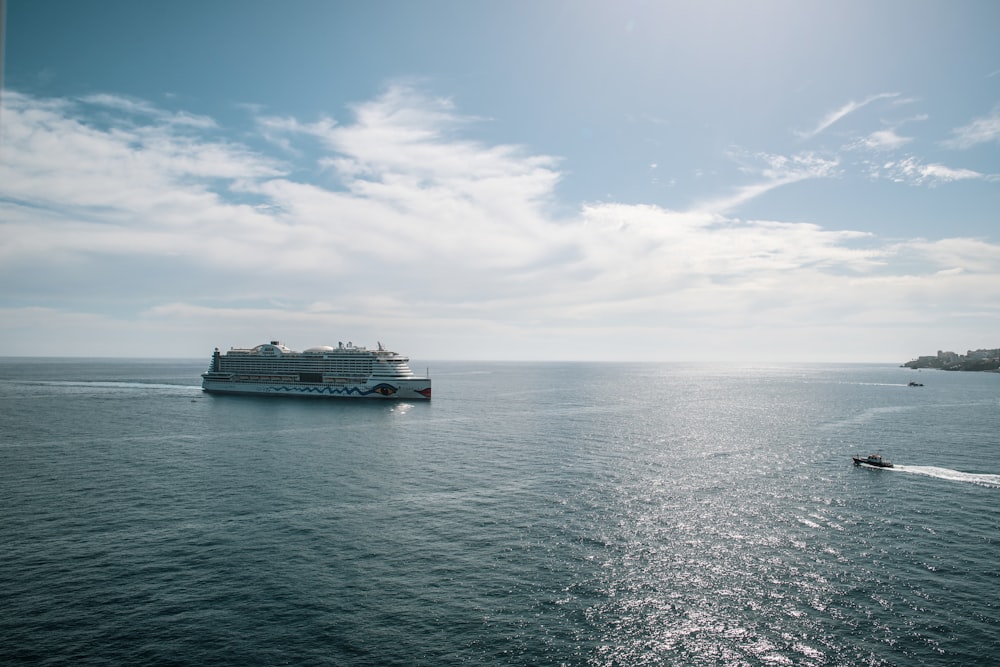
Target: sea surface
(531, 514)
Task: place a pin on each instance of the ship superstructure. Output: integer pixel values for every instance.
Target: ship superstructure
(348, 370)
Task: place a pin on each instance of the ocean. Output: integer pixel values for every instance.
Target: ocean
(530, 514)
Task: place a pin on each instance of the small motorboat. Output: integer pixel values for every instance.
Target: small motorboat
(874, 460)
(913, 383)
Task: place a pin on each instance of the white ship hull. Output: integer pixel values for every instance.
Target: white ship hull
(398, 389)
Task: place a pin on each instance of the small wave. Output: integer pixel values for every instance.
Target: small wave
(982, 479)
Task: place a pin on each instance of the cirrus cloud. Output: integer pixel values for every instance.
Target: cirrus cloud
(979, 131)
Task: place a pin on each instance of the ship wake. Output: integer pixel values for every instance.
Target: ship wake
(982, 479)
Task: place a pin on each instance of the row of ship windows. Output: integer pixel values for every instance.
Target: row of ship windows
(232, 356)
(335, 370)
(297, 378)
(297, 367)
(318, 365)
(295, 362)
(310, 360)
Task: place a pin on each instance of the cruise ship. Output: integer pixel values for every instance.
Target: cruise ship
(349, 371)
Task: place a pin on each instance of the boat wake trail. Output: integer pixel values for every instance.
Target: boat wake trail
(115, 384)
(991, 481)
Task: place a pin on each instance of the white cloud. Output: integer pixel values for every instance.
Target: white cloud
(131, 106)
(771, 171)
(959, 255)
(885, 140)
(56, 158)
(837, 114)
(912, 171)
(979, 131)
(145, 227)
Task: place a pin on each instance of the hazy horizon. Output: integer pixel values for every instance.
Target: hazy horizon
(735, 363)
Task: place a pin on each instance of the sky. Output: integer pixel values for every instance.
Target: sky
(627, 180)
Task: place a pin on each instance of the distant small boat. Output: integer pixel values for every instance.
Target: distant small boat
(915, 384)
(875, 460)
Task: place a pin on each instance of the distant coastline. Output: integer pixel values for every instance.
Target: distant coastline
(973, 360)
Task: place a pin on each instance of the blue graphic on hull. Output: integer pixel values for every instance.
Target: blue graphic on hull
(383, 389)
